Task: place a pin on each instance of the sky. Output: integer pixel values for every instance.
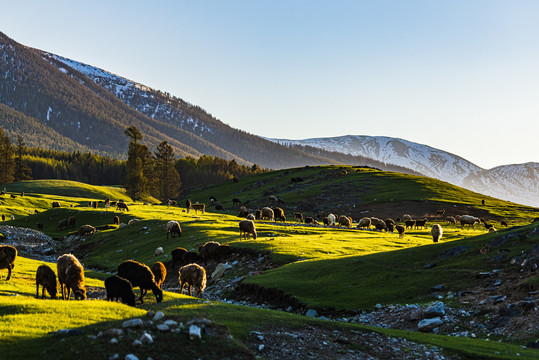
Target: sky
(460, 76)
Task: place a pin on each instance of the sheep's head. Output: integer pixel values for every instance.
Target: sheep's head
(158, 293)
(80, 294)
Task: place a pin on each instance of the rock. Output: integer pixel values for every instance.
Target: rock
(159, 251)
(170, 323)
(114, 357)
(130, 357)
(158, 316)
(113, 332)
(195, 332)
(137, 343)
(260, 347)
(496, 298)
(430, 265)
(427, 325)
(311, 313)
(457, 250)
(435, 310)
(133, 323)
(146, 339)
(416, 314)
(113, 341)
(220, 270)
(163, 328)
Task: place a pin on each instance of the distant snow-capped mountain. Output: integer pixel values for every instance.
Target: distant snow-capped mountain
(518, 183)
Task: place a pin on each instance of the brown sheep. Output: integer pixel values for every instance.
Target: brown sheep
(198, 207)
(62, 224)
(298, 216)
(120, 288)
(400, 229)
(440, 213)
(436, 232)
(310, 220)
(267, 213)
(86, 230)
(190, 257)
(71, 276)
(344, 221)
(160, 273)
(71, 222)
(140, 276)
(258, 215)
(451, 220)
(222, 252)
(364, 223)
(8, 254)
(55, 204)
(279, 214)
(177, 256)
(122, 206)
(247, 227)
(192, 275)
(243, 214)
(207, 250)
(116, 220)
(46, 277)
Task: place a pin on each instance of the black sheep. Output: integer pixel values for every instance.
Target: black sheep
(120, 288)
(8, 254)
(177, 257)
(140, 276)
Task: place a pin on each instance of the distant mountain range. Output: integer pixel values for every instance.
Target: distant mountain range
(62, 104)
(518, 183)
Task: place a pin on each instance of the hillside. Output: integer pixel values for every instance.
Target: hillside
(518, 183)
(341, 273)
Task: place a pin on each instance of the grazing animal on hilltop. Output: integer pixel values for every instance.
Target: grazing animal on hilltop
(332, 219)
(258, 214)
(468, 220)
(247, 227)
(436, 232)
(190, 257)
(207, 250)
(46, 277)
(279, 214)
(420, 223)
(55, 204)
(8, 254)
(440, 213)
(298, 216)
(71, 277)
(364, 223)
(86, 230)
(192, 275)
(173, 227)
(120, 288)
(451, 220)
(71, 222)
(503, 223)
(344, 221)
(122, 206)
(409, 224)
(400, 229)
(243, 214)
(267, 213)
(62, 224)
(198, 207)
(140, 276)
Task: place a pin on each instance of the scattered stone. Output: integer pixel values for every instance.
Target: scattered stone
(311, 313)
(170, 323)
(195, 332)
(163, 328)
(435, 310)
(113, 332)
(130, 357)
(427, 325)
(457, 250)
(220, 270)
(113, 341)
(158, 316)
(497, 298)
(137, 342)
(133, 323)
(114, 357)
(146, 339)
(430, 265)
(159, 251)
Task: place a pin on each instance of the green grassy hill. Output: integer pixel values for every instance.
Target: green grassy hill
(328, 269)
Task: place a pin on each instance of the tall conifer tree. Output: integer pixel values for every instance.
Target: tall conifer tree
(139, 166)
(168, 179)
(6, 159)
(22, 171)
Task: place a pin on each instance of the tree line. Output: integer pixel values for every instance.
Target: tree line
(158, 174)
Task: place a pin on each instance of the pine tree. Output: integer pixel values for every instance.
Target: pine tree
(6, 159)
(139, 166)
(168, 179)
(22, 171)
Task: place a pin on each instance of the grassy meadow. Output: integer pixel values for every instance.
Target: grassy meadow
(326, 268)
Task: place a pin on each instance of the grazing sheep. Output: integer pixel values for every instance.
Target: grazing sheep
(243, 214)
(267, 213)
(390, 227)
(279, 214)
(86, 230)
(379, 224)
(344, 221)
(483, 202)
(107, 203)
(177, 256)
(503, 223)
(140, 276)
(55, 204)
(309, 220)
(400, 229)
(332, 219)
(207, 250)
(409, 224)
(247, 227)
(171, 202)
(436, 232)
(219, 207)
(192, 275)
(440, 213)
(258, 214)
(190, 257)
(236, 201)
(71, 277)
(406, 217)
(273, 198)
(46, 277)
(451, 220)
(160, 273)
(198, 207)
(122, 206)
(116, 220)
(71, 222)
(364, 223)
(298, 216)
(326, 221)
(120, 288)
(389, 221)
(173, 227)
(250, 217)
(133, 221)
(420, 223)
(8, 254)
(62, 224)
(468, 220)
(222, 252)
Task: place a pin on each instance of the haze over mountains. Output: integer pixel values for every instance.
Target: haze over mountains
(62, 104)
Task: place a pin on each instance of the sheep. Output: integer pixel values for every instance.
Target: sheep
(177, 256)
(390, 227)
(250, 217)
(122, 206)
(440, 213)
(140, 276)
(243, 214)
(198, 207)
(62, 224)
(55, 204)
(273, 198)
(116, 220)
(219, 207)
(258, 214)
(409, 224)
(46, 277)
(213, 199)
(71, 222)
(267, 213)
(208, 249)
(492, 229)
(326, 221)
(86, 230)
(160, 273)
(344, 221)
(389, 221)
(503, 223)
(364, 223)
(468, 220)
(406, 217)
(400, 229)
(192, 275)
(71, 277)
(13, 196)
(247, 227)
(279, 214)
(222, 252)
(332, 219)
(309, 220)
(120, 288)
(451, 220)
(133, 221)
(188, 205)
(236, 201)
(420, 223)
(436, 232)
(379, 224)
(298, 216)
(171, 202)
(12, 217)
(173, 227)
(243, 208)
(3, 217)
(190, 257)
(8, 254)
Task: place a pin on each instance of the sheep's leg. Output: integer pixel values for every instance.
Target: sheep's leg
(37, 290)
(68, 292)
(43, 293)
(9, 272)
(189, 289)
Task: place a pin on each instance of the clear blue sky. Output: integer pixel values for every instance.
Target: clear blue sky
(462, 76)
